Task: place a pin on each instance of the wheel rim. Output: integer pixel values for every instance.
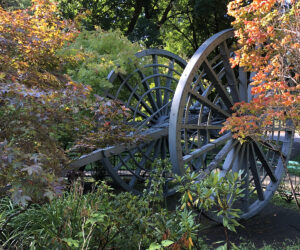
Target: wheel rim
(147, 92)
(198, 110)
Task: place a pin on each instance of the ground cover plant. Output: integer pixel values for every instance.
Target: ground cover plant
(105, 218)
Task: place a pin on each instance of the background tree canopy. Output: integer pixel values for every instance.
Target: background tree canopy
(179, 25)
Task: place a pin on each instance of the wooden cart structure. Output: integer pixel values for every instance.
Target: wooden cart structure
(180, 108)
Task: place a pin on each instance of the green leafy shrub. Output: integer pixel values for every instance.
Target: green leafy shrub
(106, 219)
(214, 194)
(15, 4)
(95, 53)
(102, 219)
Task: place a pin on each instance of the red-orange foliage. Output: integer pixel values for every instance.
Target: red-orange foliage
(37, 103)
(42, 111)
(268, 36)
(29, 39)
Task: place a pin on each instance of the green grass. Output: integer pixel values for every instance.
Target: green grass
(294, 167)
(280, 202)
(287, 245)
(248, 245)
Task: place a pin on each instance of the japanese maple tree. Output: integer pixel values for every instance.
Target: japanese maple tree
(268, 37)
(37, 102)
(45, 116)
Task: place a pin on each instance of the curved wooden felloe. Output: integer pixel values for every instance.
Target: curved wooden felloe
(206, 91)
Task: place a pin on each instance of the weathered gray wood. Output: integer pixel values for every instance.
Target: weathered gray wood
(208, 147)
(99, 154)
(150, 105)
(207, 89)
(255, 174)
(217, 84)
(194, 142)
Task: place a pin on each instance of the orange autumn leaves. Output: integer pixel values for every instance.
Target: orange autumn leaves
(29, 39)
(268, 34)
(39, 106)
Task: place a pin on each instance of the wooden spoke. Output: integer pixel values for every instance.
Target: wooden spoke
(168, 82)
(141, 164)
(137, 97)
(243, 85)
(201, 126)
(221, 155)
(148, 90)
(142, 114)
(157, 149)
(209, 104)
(134, 178)
(151, 117)
(244, 163)
(123, 161)
(217, 84)
(157, 81)
(164, 147)
(255, 174)
(265, 164)
(206, 148)
(231, 78)
(147, 155)
(231, 159)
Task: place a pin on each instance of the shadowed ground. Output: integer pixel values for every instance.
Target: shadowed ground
(273, 225)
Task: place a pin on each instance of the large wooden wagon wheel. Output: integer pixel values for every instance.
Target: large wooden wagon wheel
(148, 93)
(198, 110)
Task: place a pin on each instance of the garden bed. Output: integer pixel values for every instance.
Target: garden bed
(275, 226)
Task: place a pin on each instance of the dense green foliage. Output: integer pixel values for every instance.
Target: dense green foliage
(180, 25)
(15, 4)
(94, 54)
(106, 219)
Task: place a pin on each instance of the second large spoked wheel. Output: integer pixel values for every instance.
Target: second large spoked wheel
(206, 91)
(147, 91)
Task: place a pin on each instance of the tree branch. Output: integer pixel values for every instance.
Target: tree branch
(194, 32)
(165, 14)
(184, 35)
(137, 11)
